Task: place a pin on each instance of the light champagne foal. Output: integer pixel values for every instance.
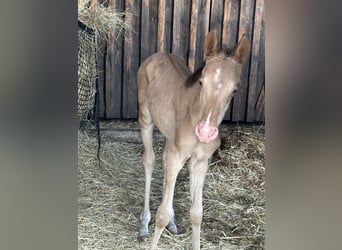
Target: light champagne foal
(187, 109)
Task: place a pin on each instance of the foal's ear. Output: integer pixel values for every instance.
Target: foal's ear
(241, 51)
(210, 47)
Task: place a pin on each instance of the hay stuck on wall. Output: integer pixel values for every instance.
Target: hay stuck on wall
(111, 196)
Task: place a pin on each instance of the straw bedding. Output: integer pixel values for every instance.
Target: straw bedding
(110, 196)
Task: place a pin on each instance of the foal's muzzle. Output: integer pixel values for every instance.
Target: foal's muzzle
(205, 132)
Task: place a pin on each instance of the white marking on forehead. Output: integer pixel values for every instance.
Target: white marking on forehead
(217, 74)
(218, 87)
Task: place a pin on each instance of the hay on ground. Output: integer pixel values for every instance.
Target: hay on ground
(111, 196)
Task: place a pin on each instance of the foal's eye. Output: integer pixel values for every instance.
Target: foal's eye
(234, 91)
(200, 81)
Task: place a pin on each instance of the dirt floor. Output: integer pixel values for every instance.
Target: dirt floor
(110, 195)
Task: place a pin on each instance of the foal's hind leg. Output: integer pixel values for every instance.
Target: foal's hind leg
(146, 125)
(172, 225)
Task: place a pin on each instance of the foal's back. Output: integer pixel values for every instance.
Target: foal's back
(160, 80)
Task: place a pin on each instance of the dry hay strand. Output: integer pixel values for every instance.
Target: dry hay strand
(102, 19)
(111, 195)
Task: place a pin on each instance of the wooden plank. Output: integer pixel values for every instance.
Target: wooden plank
(100, 58)
(253, 75)
(181, 26)
(199, 25)
(149, 27)
(193, 37)
(131, 60)
(261, 71)
(216, 17)
(153, 25)
(165, 17)
(101, 65)
(230, 33)
(245, 27)
(114, 67)
(133, 135)
(260, 106)
(144, 47)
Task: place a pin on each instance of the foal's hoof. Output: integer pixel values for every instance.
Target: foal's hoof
(172, 227)
(142, 237)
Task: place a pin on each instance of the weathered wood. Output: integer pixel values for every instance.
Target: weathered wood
(230, 33)
(260, 109)
(253, 75)
(124, 135)
(260, 106)
(193, 37)
(181, 26)
(113, 76)
(245, 27)
(149, 27)
(145, 40)
(100, 59)
(216, 16)
(133, 135)
(199, 25)
(131, 60)
(165, 16)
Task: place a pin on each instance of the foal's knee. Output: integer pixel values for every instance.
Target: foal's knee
(163, 218)
(196, 217)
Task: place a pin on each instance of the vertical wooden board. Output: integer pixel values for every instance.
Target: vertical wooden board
(149, 28)
(165, 17)
(144, 33)
(153, 25)
(245, 27)
(193, 37)
(181, 26)
(261, 72)
(131, 60)
(216, 16)
(254, 65)
(260, 106)
(161, 25)
(199, 26)
(230, 33)
(114, 67)
(101, 65)
(100, 59)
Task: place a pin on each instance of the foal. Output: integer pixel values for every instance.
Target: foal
(187, 109)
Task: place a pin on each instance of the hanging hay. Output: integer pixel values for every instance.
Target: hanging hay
(101, 18)
(110, 197)
(94, 22)
(86, 71)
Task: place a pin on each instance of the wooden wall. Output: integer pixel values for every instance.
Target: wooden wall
(180, 26)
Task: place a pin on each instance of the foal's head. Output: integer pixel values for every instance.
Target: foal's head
(219, 79)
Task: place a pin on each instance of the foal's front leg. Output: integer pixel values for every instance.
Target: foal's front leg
(198, 170)
(173, 164)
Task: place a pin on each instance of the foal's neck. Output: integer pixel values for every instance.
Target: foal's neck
(189, 104)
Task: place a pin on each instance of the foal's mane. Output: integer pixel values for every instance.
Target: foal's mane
(194, 77)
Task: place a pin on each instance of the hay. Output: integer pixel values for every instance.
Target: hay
(102, 19)
(86, 72)
(111, 196)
